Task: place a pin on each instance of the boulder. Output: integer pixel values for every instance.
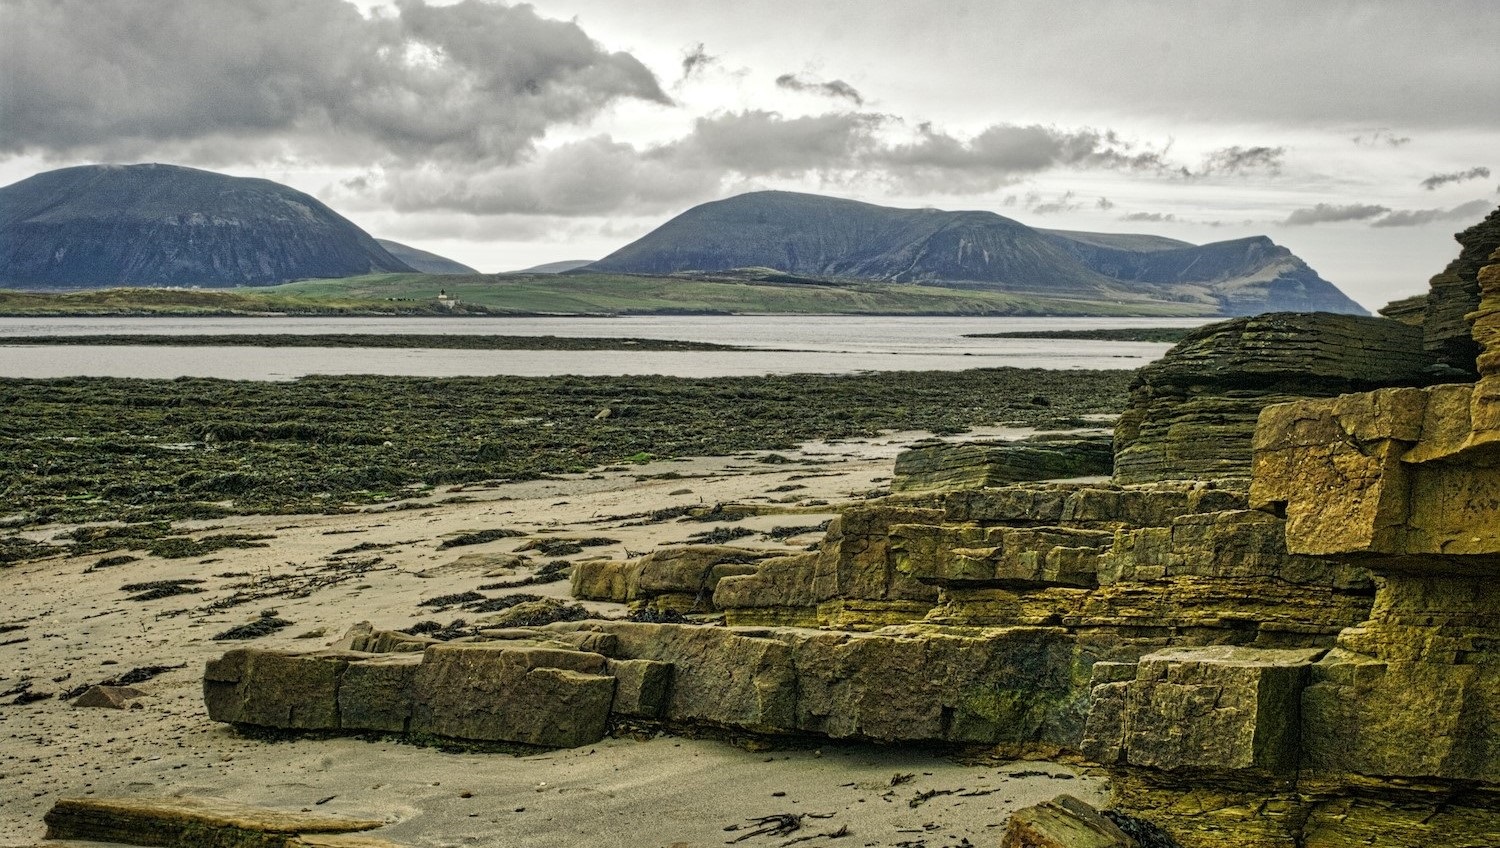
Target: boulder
(1063, 822)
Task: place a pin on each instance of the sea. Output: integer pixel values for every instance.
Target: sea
(777, 345)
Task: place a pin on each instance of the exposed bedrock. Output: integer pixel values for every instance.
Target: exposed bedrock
(1193, 412)
(945, 467)
(1455, 293)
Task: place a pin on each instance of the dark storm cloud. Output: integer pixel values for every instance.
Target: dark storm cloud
(832, 88)
(696, 60)
(1471, 211)
(1325, 213)
(312, 79)
(1436, 180)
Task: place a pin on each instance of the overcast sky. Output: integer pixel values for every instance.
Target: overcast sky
(1361, 135)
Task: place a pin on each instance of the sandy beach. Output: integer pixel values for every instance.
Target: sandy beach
(68, 623)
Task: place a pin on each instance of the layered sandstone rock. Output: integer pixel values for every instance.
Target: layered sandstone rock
(188, 822)
(1063, 822)
(946, 467)
(1391, 736)
(677, 579)
(1193, 412)
(1455, 293)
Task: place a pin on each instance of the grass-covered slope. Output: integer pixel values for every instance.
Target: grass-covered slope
(763, 292)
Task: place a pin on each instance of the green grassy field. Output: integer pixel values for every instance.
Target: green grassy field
(582, 294)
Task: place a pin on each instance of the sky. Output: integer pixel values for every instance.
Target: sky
(1359, 134)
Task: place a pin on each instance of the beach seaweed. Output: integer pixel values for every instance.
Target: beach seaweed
(111, 449)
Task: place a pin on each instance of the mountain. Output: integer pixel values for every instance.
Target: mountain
(811, 235)
(422, 260)
(152, 225)
(556, 267)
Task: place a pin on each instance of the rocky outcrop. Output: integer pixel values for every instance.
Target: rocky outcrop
(1455, 293)
(161, 225)
(977, 465)
(825, 237)
(1193, 412)
(1389, 737)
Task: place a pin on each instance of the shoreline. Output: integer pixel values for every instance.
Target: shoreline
(79, 627)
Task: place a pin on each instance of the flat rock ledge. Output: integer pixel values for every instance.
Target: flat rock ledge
(204, 823)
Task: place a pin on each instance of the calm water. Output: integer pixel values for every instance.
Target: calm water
(785, 345)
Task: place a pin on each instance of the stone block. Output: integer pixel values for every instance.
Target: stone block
(780, 582)
(376, 693)
(1010, 685)
(641, 687)
(722, 677)
(532, 696)
(854, 562)
(1217, 708)
(693, 570)
(606, 580)
(272, 689)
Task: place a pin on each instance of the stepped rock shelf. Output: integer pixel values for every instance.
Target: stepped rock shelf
(1278, 626)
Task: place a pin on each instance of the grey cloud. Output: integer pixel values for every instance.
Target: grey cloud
(696, 60)
(1324, 213)
(1065, 203)
(1105, 204)
(593, 176)
(761, 143)
(1417, 217)
(832, 88)
(311, 79)
(1149, 217)
(1241, 160)
(1436, 180)
(1380, 138)
(1001, 153)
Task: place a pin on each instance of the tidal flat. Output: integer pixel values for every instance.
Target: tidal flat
(93, 449)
